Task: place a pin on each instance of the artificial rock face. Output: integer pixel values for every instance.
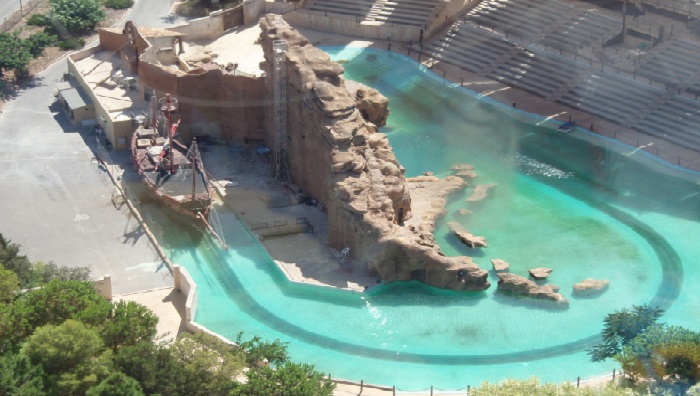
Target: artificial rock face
(337, 156)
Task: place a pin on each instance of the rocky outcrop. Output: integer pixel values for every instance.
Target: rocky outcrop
(591, 287)
(480, 192)
(337, 156)
(467, 237)
(521, 286)
(500, 265)
(540, 272)
(373, 106)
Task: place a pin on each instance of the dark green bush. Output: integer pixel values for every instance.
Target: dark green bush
(38, 41)
(71, 43)
(119, 4)
(38, 20)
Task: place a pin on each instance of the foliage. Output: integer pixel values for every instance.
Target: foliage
(46, 272)
(207, 365)
(621, 327)
(9, 252)
(664, 353)
(71, 43)
(37, 42)
(291, 379)
(128, 323)
(71, 355)
(117, 384)
(32, 275)
(534, 387)
(152, 365)
(52, 304)
(119, 4)
(38, 20)
(256, 350)
(76, 16)
(19, 377)
(9, 285)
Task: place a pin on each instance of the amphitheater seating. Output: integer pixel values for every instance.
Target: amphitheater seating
(401, 12)
(521, 18)
(404, 12)
(541, 73)
(469, 47)
(358, 8)
(675, 64)
(676, 121)
(582, 30)
(611, 96)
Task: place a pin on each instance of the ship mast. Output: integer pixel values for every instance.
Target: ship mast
(168, 108)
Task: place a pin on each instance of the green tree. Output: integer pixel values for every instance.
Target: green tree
(662, 352)
(290, 379)
(206, 365)
(256, 350)
(19, 377)
(621, 327)
(71, 355)
(15, 56)
(117, 384)
(76, 16)
(9, 252)
(128, 323)
(52, 304)
(9, 285)
(152, 365)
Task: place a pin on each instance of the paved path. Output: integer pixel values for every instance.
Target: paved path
(55, 201)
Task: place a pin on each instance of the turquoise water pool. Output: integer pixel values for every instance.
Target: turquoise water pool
(587, 211)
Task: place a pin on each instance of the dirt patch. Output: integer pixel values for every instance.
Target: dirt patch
(9, 84)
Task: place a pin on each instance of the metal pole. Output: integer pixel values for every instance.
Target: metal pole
(20, 7)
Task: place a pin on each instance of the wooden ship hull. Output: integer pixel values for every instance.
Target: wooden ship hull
(182, 186)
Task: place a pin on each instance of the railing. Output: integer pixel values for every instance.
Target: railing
(25, 9)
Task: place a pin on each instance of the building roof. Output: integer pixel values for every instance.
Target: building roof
(75, 98)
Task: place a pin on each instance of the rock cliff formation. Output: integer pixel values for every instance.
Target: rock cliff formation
(339, 158)
(519, 285)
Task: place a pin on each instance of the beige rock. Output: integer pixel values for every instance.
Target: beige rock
(591, 287)
(369, 202)
(522, 286)
(540, 272)
(467, 237)
(480, 192)
(500, 265)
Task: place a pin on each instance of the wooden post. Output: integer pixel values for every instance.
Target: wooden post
(578, 382)
(362, 386)
(657, 152)
(393, 390)
(431, 390)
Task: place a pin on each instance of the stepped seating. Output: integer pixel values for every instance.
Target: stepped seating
(540, 73)
(580, 31)
(676, 121)
(469, 47)
(357, 8)
(611, 97)
(673, 64)
(405, 12)
(401, 12)
(522, 18)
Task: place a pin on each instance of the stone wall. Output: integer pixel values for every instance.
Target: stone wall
(214, 103)
(340, 159)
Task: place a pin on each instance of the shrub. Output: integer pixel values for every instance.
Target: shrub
(38, 20)
(38, 41)
(71, 43)
(119, 4)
